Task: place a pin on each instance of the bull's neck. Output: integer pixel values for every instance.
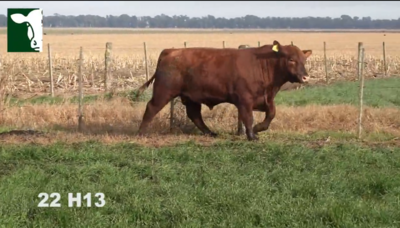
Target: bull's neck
(275, 74)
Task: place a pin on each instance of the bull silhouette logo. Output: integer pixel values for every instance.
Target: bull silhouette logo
(25, 30)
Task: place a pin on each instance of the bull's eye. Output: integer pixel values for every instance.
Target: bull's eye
(291, 61)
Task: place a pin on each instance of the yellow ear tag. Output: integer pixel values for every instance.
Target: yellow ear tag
(275, 48)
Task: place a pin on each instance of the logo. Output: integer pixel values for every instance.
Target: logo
(25, 30)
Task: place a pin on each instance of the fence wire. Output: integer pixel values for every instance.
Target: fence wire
(30, 72)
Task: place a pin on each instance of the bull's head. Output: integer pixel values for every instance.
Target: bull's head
(294, 61)
(34, 24)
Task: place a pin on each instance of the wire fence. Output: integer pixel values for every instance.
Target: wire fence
(127, 67)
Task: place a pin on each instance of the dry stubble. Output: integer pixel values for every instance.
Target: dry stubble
(119, 119)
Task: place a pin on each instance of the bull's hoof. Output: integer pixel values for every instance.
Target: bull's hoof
(211, 134)
(141, 134)
(240, 133)
(252, 137)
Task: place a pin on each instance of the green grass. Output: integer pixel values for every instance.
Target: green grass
(225, 185)
(56, 100)
(384, 92)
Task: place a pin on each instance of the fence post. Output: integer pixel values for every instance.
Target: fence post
(360, 45)
(384, 59)
(223, 44)
(291, 42)
(92, 74)
(361, 95)
(325, 62)
(50, 71)
(107, 76)
(172, 109)
(80, 98)
(258, 43)
(145, 61)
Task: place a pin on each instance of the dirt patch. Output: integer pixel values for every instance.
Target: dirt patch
(154, 140)
(21, 132)
(162, 140)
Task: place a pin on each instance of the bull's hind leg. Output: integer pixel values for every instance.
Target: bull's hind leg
(193, 110)
(152, 108)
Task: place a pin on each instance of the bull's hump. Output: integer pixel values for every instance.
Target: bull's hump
(173, 52)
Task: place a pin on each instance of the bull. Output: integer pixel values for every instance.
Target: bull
(248, 78)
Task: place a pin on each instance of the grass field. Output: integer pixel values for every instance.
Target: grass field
(223, 185)
(308, 170)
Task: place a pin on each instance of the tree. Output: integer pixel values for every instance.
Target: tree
(183, 21)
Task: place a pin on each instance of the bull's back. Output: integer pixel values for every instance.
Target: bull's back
(205, 75)
(199, 64)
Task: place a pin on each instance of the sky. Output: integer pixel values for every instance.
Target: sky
(374, 9)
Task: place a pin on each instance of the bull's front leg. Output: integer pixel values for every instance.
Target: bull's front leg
(240, 126)
(246, 115)
(269, 116)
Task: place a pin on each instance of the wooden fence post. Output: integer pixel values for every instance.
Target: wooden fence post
(223, 44)
(258, 43)
(384, 59)
(360, 45)
(80, 98)
(107, 76)
(326, 65)
(50, 71)
(186, 117)
(145, 61)
(361, 95)
(291, 42)
(92, 74)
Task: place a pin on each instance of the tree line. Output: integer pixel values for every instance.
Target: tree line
(248, 21)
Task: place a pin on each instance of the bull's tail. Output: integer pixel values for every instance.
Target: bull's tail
(145, 85)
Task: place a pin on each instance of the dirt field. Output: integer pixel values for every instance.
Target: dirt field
(125, 44)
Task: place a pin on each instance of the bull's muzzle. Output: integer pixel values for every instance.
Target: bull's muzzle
(305, 78)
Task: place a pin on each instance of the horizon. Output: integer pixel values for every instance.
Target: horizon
(359, 18)
(378, 10)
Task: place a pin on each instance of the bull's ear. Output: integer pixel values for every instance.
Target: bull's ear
(18, 18)
(276, 46)
(277, 51)
(307, 53)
